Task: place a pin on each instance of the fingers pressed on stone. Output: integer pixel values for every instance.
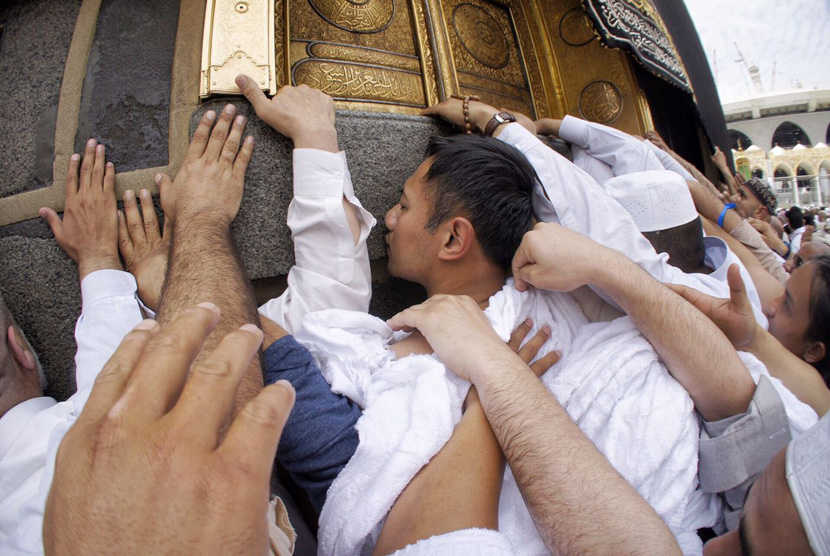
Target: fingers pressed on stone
(148, 211)
(135, 224)
(87, 164)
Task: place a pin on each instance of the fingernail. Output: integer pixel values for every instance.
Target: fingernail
(284, 383)
(129, 195)
(145, 193)
(120, 215)
(76, 157)
(230, 109)
(147, 324)
(91, 143)
(558, 352)
(157, 178)
(41, 212)
(546, 329)
(210, 115)
(208, 305)
(240, 120)
(100, 148)
(249, 139)
(254, 329)
(528, 322)
(109, 164)
(241, 81)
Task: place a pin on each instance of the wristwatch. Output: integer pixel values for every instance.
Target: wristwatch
(496, 121)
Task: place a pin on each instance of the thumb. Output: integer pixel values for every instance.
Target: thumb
(253, 93)
(52, 219)
(737, 290)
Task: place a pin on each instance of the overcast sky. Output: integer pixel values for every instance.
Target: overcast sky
(794, 35)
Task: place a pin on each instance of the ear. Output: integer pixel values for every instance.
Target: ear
(460, 237)
(761, 213)
(815, 352)
(20, 349)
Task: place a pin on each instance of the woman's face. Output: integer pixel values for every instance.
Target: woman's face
(789, 315)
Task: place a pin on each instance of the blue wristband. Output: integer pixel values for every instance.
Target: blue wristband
(726, 207)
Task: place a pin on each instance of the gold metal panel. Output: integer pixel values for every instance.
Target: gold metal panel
(488, 60)
(238, 38)
(368, 54)
(591, 81)
(361, 81)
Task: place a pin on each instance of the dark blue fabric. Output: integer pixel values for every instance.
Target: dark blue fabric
(319, 438)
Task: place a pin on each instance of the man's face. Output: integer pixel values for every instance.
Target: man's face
(789, 315)
(747, 202)
(770, 523)
(411, 247)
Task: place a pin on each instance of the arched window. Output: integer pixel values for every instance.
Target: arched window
(758, 173)
(781, 176)
(788, 135)
(805, 179)
(739, 140)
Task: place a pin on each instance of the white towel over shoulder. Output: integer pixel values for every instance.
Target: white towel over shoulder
(609, 380)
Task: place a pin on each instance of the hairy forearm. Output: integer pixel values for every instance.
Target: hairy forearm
(694, 350)
(578, 501)
(204, 266)
(801, 378)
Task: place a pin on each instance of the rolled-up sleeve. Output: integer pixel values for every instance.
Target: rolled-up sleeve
(331, 270)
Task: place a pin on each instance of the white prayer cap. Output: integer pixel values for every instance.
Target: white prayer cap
(808, 473)
(657, 199)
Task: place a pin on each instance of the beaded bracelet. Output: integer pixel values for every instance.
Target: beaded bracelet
(468, 126)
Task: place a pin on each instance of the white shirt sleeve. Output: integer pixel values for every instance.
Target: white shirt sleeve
(622, 152)
(668, 162)
(573, 199)
(110, 310)
(330, 271)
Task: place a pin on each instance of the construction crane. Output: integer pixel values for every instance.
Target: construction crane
(751, 69)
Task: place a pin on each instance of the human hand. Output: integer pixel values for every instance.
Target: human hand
(733, 316)
(457, 331)
(145, 470)
(763, 228)
(302, 114)
(718, 158)
(212, 176)
(656, 140)
(527, 351)
(521, 119)
(142, 247)
(88, 232)
(452, 110)
(808, 234)
(552, 257)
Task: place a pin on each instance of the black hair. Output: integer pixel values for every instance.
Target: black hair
(683, 243)
(819, 328)
(809, 220)
(487, 181)
(796, 217)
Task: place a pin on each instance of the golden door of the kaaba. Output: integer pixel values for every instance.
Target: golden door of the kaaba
(540, 57)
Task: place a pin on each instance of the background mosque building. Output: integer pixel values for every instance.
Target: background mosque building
(784, 138)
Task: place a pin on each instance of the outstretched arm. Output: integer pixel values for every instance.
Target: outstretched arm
(201, 203)
(696, 353)
(328, 224)
(734, 317)
(579, 503)
(88, 233)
